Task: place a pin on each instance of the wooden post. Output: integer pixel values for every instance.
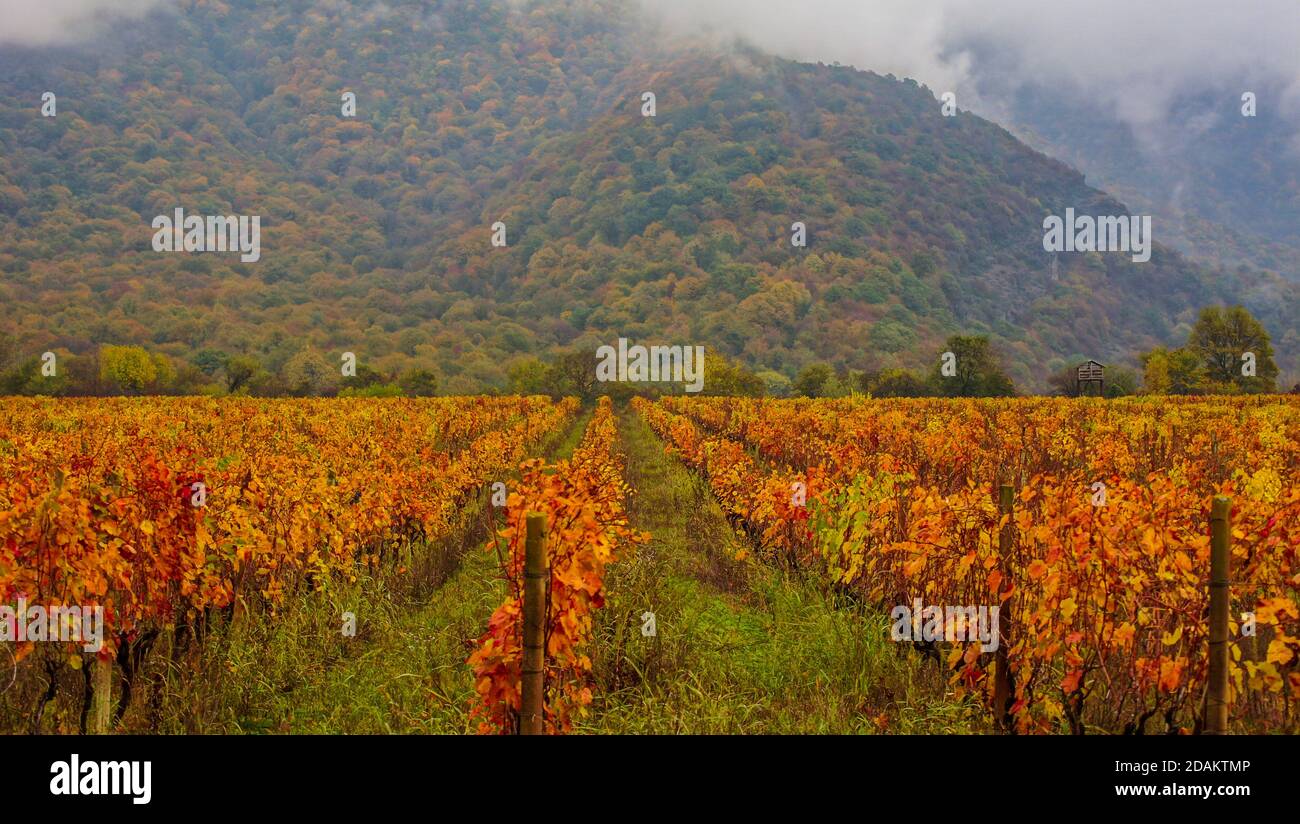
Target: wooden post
(1216, 701)
(536, 575)
(101, 707)
(1002, 685)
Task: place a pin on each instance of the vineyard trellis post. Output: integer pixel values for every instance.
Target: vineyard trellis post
(1002, 685)
(1216, 699)
(536, 575)
(101, 695)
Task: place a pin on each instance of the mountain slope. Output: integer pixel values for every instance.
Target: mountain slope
(1225, 186)
(675, 228)
(919, 225)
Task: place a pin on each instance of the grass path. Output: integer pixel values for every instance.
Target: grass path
(739, 647)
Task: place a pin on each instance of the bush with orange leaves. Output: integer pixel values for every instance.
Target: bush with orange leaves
(587, 529)
(1104, 598)
(98, 507)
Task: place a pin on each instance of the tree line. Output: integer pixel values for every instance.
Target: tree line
(133, 370)
(1227, 352)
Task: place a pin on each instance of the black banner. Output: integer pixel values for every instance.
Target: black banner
(140, 776)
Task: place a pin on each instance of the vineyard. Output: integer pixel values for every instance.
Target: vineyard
(1085, 522)
(582, 501)
(166, 511)
(1102, 584)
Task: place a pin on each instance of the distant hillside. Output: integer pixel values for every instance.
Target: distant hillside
(1225, 187)
(376, 230)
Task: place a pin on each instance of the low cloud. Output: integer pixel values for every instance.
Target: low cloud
(62, 22)
(1133, 58)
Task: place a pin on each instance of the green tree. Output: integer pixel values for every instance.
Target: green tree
(307, 373)
(210, 361)
(812, 380)
(418, 383)
(839, 386)
(527, 376)
(1120, 382)
(774, 383)
(977, 371)
(14, 378)
(724, 378)
(8, 351)
(164, 373)
(83, 374)
(573, 374)
(191, 380)
(895, 383)
(26, 378)
(240, 371)
(1224, 339)
(366, 376)
(374, 390)
(1173, 372)
(923, 263)
(1186, 372)
(1155, 371)
(128, 369)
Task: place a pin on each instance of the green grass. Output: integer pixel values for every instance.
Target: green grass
(740, 647)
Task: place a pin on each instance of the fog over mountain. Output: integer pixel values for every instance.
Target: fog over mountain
(1124, 54)
(60, 22)
(1144, 99)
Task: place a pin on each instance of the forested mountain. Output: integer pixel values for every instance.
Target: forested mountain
(376, 230)
(1225, 186)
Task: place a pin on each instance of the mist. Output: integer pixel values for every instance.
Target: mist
(1134, 59)
(64, 22)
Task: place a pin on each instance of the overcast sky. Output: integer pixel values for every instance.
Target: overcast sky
(50, 22)
(1132, 55)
